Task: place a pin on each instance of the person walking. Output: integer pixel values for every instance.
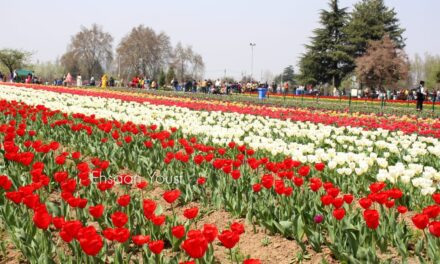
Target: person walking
(420, 93)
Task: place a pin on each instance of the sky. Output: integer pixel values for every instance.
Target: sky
(219, 30)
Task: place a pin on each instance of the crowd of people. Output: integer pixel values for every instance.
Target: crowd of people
(228, 87)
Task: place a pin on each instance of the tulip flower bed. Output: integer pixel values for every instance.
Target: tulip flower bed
(340, 104)
(79, 172)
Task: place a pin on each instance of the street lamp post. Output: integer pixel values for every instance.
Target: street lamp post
(252, 58)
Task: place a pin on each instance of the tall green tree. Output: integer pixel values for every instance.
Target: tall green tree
(170, 74)
(288, 75)
(371, 20)
(14, 59)
(162, 78)
(327, 59)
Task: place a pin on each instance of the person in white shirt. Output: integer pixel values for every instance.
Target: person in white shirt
(78, 80)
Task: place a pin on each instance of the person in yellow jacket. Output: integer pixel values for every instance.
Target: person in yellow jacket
(104, 81)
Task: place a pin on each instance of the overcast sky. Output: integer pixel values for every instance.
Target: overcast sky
(219, 30)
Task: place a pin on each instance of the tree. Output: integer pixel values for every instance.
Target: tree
(48, 71)
(383, 64)
(372, 20)
(162, 78)
(14, 59)
(188, 64)
(70, 63)
(426, 68)
(90, 51)
(288, 75)
(327, 59)
(144, 52)
(170, 74)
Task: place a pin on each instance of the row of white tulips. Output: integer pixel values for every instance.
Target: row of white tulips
(350, 151)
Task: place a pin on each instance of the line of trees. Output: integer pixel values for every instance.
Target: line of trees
(367, 42)
(142, 52)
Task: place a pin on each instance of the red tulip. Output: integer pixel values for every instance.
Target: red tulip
(237, 228)
(124, 200)
(319, 166)
(191, 213)
(89, 240)
(348, 198)
(142, 185)
(171, 196)
(267, 181)
(58, 222)
(256, 187)
(235, 174)
(333, 192)
(436, 197)
(338, 202)
(377, 186)
(119, 219)
(178, 231)
(201, 180)
(195, 247)
(402, 209)
(121, 234)
(371, 218)
(156, 246)
(326, 200)
(365, 203)
(432, 211)
(96, 211)
(140, 240)
(158, 220)
(339, 213)
(229, 238)
(149, 207)
(42, 219)
(210, 232)
(298, 181)
(420, 221)
(434, 228)
(304, 171)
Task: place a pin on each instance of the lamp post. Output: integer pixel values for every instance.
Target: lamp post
(252, 58)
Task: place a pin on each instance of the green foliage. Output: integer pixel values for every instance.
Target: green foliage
(427, 69)
(371, 20)
(327, 59)
(170, 75)
(344, 37)
(288, 75)
(14, 59)
(48, 71)
(162, 78)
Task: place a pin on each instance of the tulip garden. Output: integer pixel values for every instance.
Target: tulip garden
(102, 176)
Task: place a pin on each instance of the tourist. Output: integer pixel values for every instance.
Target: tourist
(153, 85)
(104, 81)
(420, 95)
(69, 80)
(92, 81)
(285, 88)
(78, 80)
